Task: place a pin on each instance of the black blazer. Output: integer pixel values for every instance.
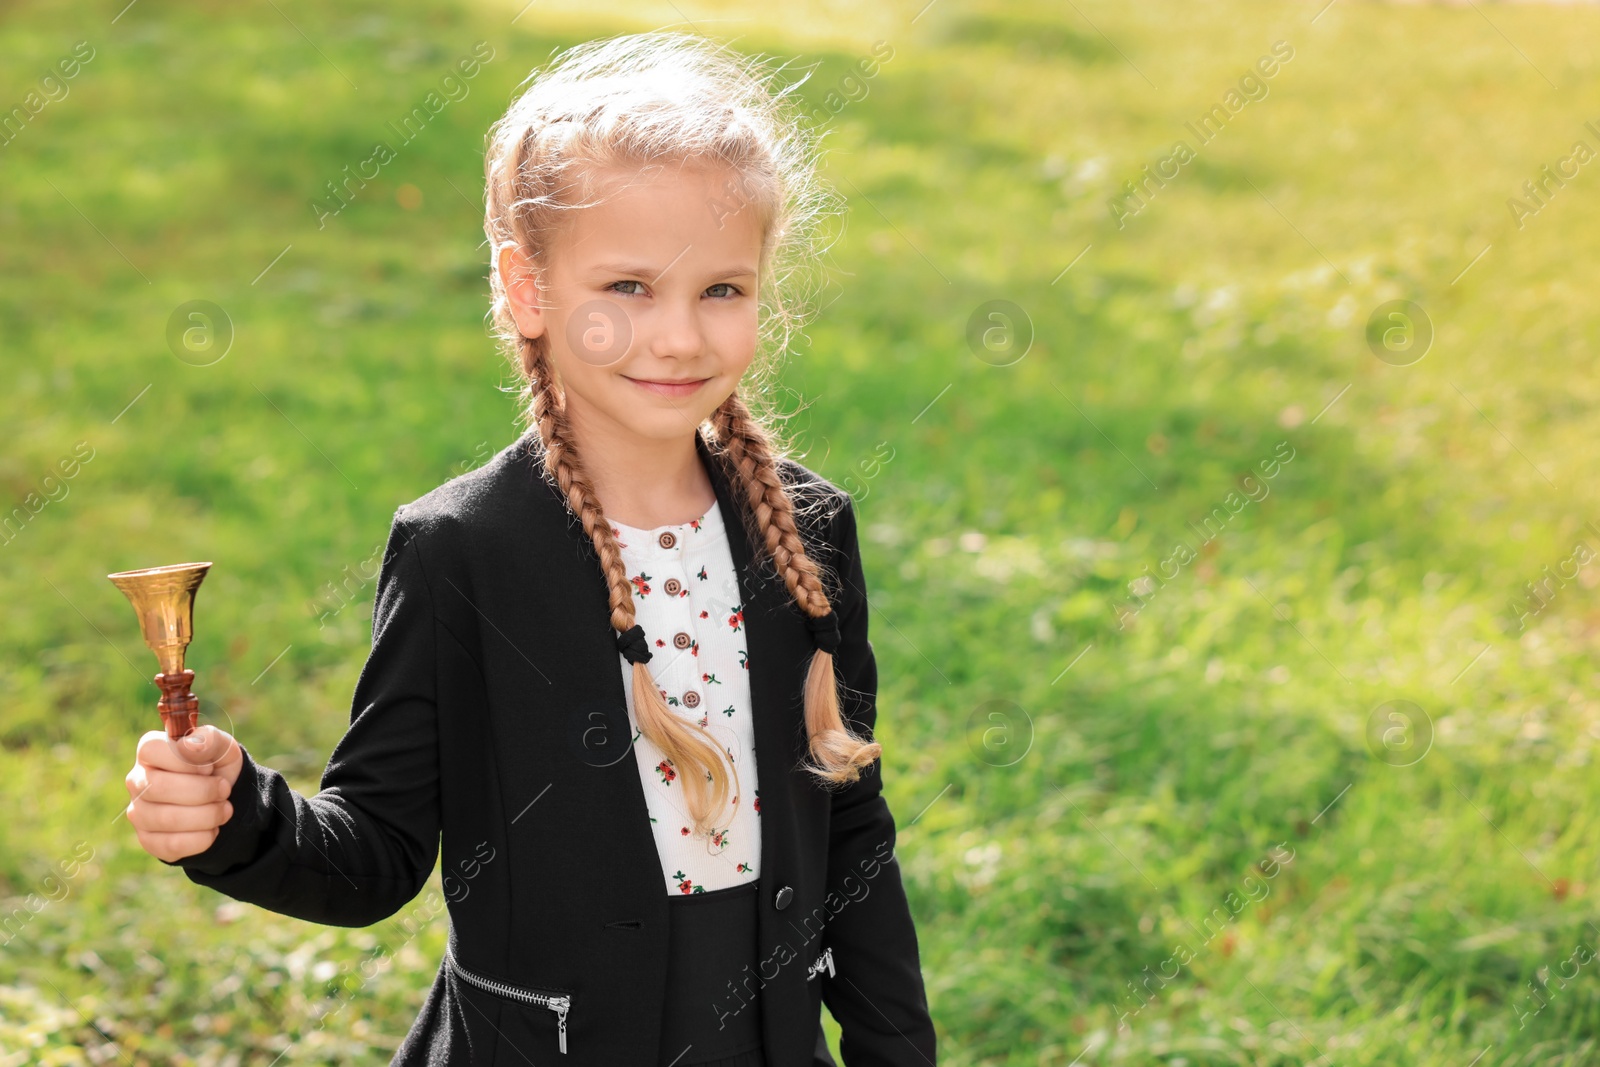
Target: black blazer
(491, 711)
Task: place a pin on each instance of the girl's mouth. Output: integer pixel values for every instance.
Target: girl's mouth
(677, 388)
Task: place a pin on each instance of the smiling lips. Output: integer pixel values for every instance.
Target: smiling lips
(681, 388)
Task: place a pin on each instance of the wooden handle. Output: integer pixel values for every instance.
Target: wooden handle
(180, 709)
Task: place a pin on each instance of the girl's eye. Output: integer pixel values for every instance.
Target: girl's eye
(724, 285)
(614, 285)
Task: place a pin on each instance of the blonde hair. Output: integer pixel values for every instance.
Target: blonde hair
(651, 99)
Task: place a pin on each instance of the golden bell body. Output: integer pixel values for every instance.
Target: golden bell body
(164, 600)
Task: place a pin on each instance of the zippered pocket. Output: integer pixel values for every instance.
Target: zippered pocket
(560, 1003)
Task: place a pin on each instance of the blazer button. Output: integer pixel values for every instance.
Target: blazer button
(668, 539)
(782, 898)
(681, 640)
(673, 587)
(691, 699)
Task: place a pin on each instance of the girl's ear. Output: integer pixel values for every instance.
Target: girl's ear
(522, 292)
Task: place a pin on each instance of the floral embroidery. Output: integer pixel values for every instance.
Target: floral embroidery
(691, 861)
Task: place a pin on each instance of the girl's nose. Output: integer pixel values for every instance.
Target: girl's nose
(677, 332)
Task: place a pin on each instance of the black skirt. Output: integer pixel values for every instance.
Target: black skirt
(713, 1005)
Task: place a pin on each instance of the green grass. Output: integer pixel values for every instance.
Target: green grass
(1072, 838)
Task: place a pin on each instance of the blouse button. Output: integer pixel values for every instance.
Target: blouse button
(681, 640)
(668, 539)
(691, 699)
(673, 588)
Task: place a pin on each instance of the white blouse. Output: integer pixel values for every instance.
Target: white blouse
(686, 596)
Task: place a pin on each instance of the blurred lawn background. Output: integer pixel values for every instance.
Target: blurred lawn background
(1088, 810)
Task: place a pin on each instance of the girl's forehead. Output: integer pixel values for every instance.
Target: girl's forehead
(668, 214)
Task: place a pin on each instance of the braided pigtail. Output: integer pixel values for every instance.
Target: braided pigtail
(702, 764)
(838, 751)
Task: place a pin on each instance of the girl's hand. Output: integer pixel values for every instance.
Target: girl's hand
(180, 790)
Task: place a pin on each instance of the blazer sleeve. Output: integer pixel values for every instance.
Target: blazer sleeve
(876, 992)
(361, 848)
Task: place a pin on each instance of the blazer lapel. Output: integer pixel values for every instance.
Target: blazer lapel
(779, 647)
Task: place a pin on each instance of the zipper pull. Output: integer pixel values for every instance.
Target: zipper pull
(828, 955)
(561, 1004)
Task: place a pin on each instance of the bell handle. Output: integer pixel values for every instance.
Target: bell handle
(180, 709)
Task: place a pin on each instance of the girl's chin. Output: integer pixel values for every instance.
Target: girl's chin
(647, 412)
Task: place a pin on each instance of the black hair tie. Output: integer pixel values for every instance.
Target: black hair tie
(825, 629)
(633, 646)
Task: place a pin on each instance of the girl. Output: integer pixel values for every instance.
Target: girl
(623, 668)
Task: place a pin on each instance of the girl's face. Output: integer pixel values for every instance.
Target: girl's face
(648, 301)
